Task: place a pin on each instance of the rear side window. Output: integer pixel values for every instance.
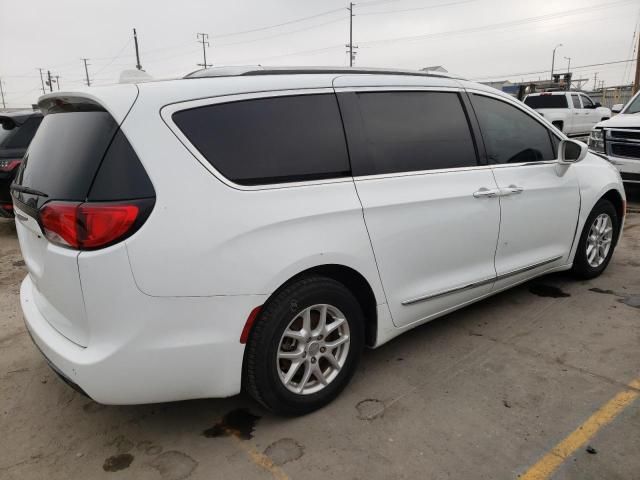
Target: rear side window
(576, 100)
(547, 101)
(270, 140)
(510, 135)
(413, 131)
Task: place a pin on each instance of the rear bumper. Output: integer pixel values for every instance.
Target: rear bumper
(176, 349)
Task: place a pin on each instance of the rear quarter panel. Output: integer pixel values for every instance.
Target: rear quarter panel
(207, 237)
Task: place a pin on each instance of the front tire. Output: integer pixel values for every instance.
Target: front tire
(597, 241)
(304, 347)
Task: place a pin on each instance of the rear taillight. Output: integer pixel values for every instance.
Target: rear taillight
(8, 165)
(88, 226)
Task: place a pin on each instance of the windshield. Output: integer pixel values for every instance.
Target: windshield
(546, 101)
(634, 106)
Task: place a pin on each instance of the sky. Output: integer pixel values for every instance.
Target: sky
(477, 39)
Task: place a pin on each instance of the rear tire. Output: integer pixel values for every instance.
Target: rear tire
(597, 241)
(289, 331)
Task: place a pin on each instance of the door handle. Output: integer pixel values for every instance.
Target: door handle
(485, 192)
(511, 190)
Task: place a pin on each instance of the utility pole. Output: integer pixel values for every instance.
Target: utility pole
(86, 71)
(595, 81)
(2, 95)
(49, 81)
(568, 64)
(203, 39)
(58, 82)
(553, 59)
(350, 45)
(636, 82)
(135, 40)
(41, 81)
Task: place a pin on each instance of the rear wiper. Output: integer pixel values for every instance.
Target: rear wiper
(30, 191)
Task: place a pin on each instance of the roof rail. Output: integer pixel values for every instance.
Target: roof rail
(249, 70)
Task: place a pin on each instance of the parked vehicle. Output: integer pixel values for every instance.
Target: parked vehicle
(618, 139)
(16, 131)
(257, 228)
(573, 113)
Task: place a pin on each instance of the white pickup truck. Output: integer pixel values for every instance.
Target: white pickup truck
(619, 140)
(574, 113)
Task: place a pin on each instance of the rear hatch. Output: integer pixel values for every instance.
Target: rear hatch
(65, 191)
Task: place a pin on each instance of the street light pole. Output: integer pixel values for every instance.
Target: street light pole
(553, 59)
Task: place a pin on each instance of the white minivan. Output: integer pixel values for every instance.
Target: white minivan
(256, 228)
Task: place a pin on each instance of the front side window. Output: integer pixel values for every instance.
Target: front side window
(510, 135)
(413, 131)
(576, 100)
(586, 101)
(270, 140)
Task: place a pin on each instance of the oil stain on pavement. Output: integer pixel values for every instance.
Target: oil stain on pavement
(240, 422)
(117, 462)
(543, 290)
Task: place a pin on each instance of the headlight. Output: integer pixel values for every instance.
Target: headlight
(596, 141)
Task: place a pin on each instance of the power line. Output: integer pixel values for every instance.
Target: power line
(418, 8)
(520, 74)
(280, 34)
(113, 59)
(259, 29)
(511, 23)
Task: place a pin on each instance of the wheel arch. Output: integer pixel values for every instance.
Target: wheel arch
(355, 282)
(620, 205)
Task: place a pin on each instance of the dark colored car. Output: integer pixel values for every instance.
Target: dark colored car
(16, 132)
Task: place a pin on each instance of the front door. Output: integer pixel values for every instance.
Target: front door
(539, 197)
(416, 171)
(591, 114)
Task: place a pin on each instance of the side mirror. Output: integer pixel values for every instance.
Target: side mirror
(572, 151)
(597, 105)
(617, 108)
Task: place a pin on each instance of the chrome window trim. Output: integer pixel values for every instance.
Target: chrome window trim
(481, 283)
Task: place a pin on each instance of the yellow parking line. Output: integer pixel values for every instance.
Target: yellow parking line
(260, 459)
(581, 435)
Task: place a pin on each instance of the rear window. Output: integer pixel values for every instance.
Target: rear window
(20, 136)
(547, 101)
(80, 155)
(65, 154)
(270, 140)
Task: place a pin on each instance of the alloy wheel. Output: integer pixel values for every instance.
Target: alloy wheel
(599, 240)
(313, 349)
